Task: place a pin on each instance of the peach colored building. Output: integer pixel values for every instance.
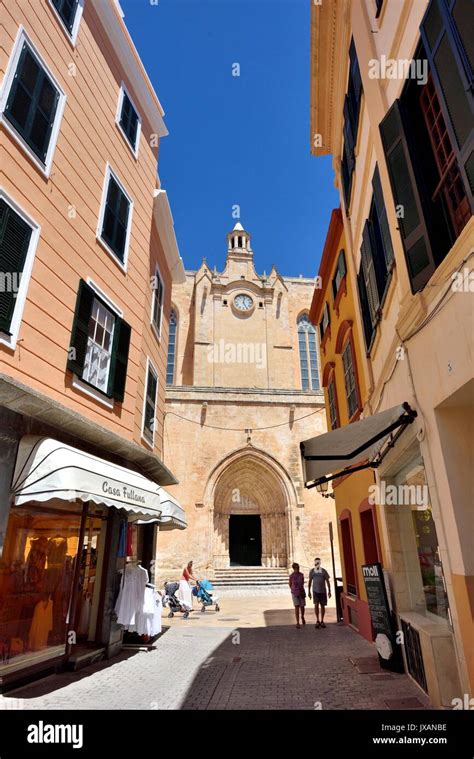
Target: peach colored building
(243, 388)
(88, 256)
(392, 102)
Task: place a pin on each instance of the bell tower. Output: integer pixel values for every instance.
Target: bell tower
(238, 243)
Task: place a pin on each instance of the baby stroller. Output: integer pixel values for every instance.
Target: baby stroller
(202, 591)
(172, 601)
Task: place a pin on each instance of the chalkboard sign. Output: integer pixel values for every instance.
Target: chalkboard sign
(384, 630)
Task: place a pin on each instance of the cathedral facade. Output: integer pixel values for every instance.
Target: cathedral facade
(243, 389)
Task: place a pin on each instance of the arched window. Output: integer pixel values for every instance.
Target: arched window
(308, 355)
(171, 363)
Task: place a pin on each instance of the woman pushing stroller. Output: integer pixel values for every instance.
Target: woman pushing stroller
(184, 593)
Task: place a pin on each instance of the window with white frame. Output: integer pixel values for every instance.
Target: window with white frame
(171, 362)
(32, 103)
(115, 218)
(149, 412)
(308, 354)
(100, 341)
(18, 240)
(129, 120)
(69, 12)
(350, 379)
(157, 302)
(99, 346)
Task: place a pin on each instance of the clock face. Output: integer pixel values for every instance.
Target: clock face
(243, 302)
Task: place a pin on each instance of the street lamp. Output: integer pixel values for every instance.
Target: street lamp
(322, 487)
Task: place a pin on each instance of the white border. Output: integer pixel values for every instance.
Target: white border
(11, 340)
(77, 382)
(21, 38)
(149, 363)
(72, 37)
(110, 173)
(153, 325)
(123, 91)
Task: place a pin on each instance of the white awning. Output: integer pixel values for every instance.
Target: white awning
(47, 469)
(172, 516)
(355, 445)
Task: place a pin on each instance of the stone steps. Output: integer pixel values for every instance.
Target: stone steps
(251, 577)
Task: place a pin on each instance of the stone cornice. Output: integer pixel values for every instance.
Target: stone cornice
(194, 394)
(330, 36)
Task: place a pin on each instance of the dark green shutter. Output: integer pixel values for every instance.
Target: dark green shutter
(342, 265)
(119, 360)
(370, 276)
(401, 169)
(15, 236)
(382, 217)
(80, 328)
(28, 109)
(449, 50)
(365, 311)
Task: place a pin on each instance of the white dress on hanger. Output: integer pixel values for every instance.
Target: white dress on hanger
(148, 621)
(131, 596)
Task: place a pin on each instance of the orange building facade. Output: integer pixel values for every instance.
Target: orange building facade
(333, 312)
(87, 258)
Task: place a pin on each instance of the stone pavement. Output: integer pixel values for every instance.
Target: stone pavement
(247, 656)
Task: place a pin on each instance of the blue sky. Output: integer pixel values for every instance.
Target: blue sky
(237, 140)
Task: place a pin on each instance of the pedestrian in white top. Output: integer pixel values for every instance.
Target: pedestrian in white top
(319, 578)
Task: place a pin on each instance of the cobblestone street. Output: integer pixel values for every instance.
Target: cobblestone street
(248, 656)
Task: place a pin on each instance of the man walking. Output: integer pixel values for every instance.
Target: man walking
(296, 583)
(319, 578)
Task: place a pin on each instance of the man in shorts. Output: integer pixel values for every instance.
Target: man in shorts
(319, 578)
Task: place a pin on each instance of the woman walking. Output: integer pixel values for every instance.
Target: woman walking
(184, 594)
(296, 583)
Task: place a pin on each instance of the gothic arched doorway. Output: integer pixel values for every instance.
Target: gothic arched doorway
(250, 503)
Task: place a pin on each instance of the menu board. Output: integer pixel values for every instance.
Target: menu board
(385, 639)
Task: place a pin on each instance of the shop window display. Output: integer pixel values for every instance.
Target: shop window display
(36, 576)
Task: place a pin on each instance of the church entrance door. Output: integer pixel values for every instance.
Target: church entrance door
(245, 540)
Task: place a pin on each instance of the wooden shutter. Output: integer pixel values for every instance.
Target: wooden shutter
(449, 50)
(365, 311)
(370, 276)
(403, 179)
(15, 236)
(80, 328)
(354, 89)
(119, 360)
(382, 217)
(37, 123)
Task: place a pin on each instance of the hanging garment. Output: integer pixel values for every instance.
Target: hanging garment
(185, 597)
(36, 561)
(129, 541)
(148, 621)
(56, 551)
(156, 625)
(122, 546)
(56, 554)
(131, 596)
(41, 625)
